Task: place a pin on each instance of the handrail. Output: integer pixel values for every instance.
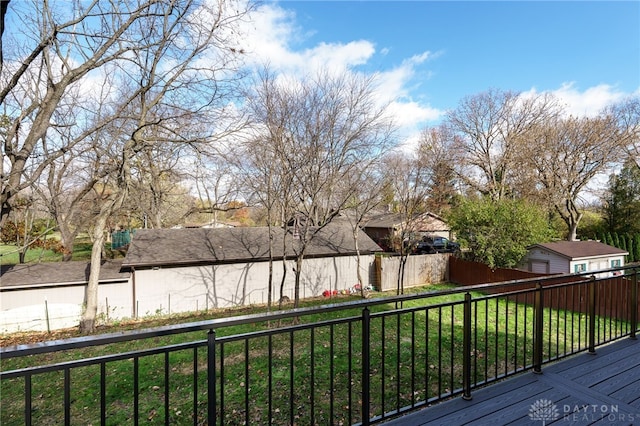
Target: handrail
(457, 349)
(122, 336)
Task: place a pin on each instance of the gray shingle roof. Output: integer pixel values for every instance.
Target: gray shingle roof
(34, 274)
(581, 249)
(155, 247)
(424, 222)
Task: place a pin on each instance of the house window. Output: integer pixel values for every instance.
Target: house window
(615, 263)
(579, 267)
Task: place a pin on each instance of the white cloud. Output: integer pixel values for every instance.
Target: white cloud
(338, 57)
(588, 102)
(268, 34)
(276, 39)
(394, 82)
(410, 113)
(273, 34)
(591, 101)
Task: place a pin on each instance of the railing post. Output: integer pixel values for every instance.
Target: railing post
(633, 304)
(538, 316)
(211, 378)
(466, 345)
(592, 315)
(366, 365)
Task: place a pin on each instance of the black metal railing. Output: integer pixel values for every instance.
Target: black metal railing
(359, 362)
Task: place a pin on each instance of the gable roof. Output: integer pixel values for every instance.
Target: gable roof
(156, 247)
(574, 250)
(55, 273)
(425, 222)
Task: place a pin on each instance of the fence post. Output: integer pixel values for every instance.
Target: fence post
(466, 345)
(211, 377)
(46, 315)
(366, 365)
(592, 315)
(633, 303)
(538, 316)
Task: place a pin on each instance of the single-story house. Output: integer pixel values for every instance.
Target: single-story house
(49, 296)
(385, 228)
(201, 268)
(572, 257)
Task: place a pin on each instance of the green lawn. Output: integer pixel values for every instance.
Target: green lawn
(9, 254)
(414, 356)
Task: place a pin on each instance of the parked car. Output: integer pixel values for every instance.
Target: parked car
(423, 247)
(436, 244)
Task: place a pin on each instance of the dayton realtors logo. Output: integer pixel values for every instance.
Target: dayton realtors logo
(544, 410)
(597, 412)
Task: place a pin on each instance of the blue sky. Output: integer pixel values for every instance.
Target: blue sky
(429, 55)
(432, 54)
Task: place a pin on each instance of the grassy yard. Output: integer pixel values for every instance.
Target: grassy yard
(415, 356)
(9, 254)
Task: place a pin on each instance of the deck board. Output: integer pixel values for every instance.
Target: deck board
(586, 389)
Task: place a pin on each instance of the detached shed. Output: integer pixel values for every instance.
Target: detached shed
(49, 296)
(177, 270)
(571, 257)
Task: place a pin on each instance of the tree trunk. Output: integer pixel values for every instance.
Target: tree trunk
(67, 238)
(358, 262)
(573, 231)
(270, 279)
(282, 282)
(284, 265)
(298, 272)
(88, 319)
(571, 216)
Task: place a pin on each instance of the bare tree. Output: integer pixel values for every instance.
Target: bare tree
(338, 130)
(436, 151)
(259, 168)
(35, 80)
(369, 180)
(319, 132)
(627, 115)
(70, 178)
(566, 154)
(409, 180)
(65, 195)
(4, 5)
(157, 194)
(215, 184)
(267, 184)
(490, 130)
(153, 56)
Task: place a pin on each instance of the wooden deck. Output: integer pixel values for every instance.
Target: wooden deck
(586, 389)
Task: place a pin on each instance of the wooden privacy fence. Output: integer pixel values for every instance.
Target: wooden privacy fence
(616, 289)
(419, 270)
(466, 272)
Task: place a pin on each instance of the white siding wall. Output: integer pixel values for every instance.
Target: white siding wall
(172, 290)
(598, 264)
(537, 259)
(191, 288)
(556, 264)
(51, 308)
